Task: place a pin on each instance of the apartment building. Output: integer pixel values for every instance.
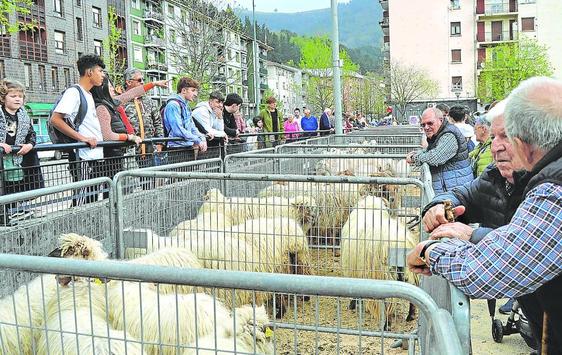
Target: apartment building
(263, 48)
(450, 39)
(44, 58)
(286, 83)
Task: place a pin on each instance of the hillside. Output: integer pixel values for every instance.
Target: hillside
(358, 26)
(358, 22)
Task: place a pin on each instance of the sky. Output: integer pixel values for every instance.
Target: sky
(286, 5)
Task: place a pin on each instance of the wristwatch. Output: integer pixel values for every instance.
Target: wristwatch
(424, 249)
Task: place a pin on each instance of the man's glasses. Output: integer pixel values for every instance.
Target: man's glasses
(429, 124)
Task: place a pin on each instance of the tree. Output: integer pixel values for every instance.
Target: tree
(508, 64)
(202, 40)
(364, 94)
(407, 84)
(115, 65)
(8, 7)
(316, 61)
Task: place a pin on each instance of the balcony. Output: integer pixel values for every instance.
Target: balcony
(497, 10)
(491, 38)
(263, 71)
(263, 87)
(151, 16)
(384, 4)
(155, 42)
(219, 79)
(5, 46)
(385, 25)
(33, 51)
(156, 67)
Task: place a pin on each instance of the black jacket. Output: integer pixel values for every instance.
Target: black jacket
(489, 200)
(229, 123)
(547, 299)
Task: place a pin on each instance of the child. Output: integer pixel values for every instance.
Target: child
(22, 171)
(258, 122)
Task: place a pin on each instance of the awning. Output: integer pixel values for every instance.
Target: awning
(38, 108)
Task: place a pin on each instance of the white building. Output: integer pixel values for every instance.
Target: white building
(449, 38)
(286, 83)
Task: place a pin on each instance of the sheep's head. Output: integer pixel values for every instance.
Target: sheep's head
(298, 265)
(74, 246)
(213, 195)
(304, 209)
(322, 168)
(346, 172)
(282, 183)
(253, 323)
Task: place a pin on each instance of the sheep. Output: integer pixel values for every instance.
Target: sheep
(252, 335)
(239, 209)
(211, 221)
(76, 324)
(164, 322)
(365, 241)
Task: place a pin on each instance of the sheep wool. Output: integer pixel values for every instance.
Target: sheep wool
(212, 221)
(367, 236)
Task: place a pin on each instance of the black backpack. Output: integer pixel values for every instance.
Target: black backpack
(56, 136)
(163, 107)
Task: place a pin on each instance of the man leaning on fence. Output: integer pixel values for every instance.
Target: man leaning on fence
(524, 258)
(205, 117)
(179, 123)
(446, 153)
(145, 118)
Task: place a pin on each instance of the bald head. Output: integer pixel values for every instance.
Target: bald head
(431, 121)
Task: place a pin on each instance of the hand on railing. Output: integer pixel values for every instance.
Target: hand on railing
(6, 147)
(25, 148)
(91, 141)
(135, 139)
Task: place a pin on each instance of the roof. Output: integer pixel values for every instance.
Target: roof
(38, 108)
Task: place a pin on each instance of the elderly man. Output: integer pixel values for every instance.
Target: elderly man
(490, 200)
(143, 115)
(524, 258)
(481, 156)
(446, 152)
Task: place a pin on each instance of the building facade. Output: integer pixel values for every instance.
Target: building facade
(286, 84)
(450, 39)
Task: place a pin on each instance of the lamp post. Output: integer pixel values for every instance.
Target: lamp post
(336, 67)
(255, 60)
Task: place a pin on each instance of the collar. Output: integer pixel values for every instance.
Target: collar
(552, 155)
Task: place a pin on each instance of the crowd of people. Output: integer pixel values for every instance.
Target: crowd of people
(516, 252)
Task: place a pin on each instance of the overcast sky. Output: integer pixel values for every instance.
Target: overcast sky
(286, 5)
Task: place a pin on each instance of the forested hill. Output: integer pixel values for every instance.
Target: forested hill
(358, 27)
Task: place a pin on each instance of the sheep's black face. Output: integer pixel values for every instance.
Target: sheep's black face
(281, 305)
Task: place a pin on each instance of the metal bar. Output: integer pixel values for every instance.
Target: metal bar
(440, 321)
(347, 146)
(343, 331)
(67, 146)
(322, 156)
(337, 64)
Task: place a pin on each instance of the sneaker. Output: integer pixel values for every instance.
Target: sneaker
(507, 307)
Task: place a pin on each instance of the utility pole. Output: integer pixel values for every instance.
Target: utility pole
(337, 67)
(256, 61)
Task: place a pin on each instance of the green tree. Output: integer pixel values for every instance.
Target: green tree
(8, 7)
(114, 64)
(509, 64)
(316, 61)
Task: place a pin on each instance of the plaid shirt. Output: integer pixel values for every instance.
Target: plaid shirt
(444, 151)
(150, 115)
(512, 260)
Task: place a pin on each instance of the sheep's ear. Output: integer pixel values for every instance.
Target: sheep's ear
(57, 253)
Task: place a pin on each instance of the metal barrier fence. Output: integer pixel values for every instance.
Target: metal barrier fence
(345, 148)
(134, 311)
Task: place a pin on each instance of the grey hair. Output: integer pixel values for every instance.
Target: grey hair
(128, 74)
(495, 112)
(436, 112)
(533, 113)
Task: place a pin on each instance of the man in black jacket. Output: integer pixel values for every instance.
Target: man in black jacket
(231, 105)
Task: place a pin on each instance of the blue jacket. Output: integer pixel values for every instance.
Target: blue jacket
(178, 122)
(455, 172)
(309, 123)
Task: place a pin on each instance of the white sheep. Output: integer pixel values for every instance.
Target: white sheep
(366, 238)
(251, 335)
(76, 323)
(239, 209)
(211, 221)
(164, 322)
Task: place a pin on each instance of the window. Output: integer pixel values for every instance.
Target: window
(527, 24)
(183, 16)
(98, 47)
(137, 29)
(97, 16)
(135, 4)
(28, 77)
(456, 56)
(55, 78)
(172, 36)
(455, 28)
(456, 83)
(59, 42)
(78, 3)
(455, 4)
(67, 78)
(58, 7)
(171, 11)
(79, 29)
(2, 69)
(42, 77)
(137, 54)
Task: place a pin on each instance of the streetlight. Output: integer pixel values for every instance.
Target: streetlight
(255, 60)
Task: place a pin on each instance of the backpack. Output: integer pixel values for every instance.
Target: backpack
(56, 136)
(163, 107)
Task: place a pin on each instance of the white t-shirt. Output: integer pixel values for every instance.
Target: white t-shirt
(90, 127)
(466, 130)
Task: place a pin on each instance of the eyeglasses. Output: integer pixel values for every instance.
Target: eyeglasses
(429, 124)
(139, 80)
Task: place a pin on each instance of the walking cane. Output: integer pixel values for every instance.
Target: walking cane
(544, 342)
